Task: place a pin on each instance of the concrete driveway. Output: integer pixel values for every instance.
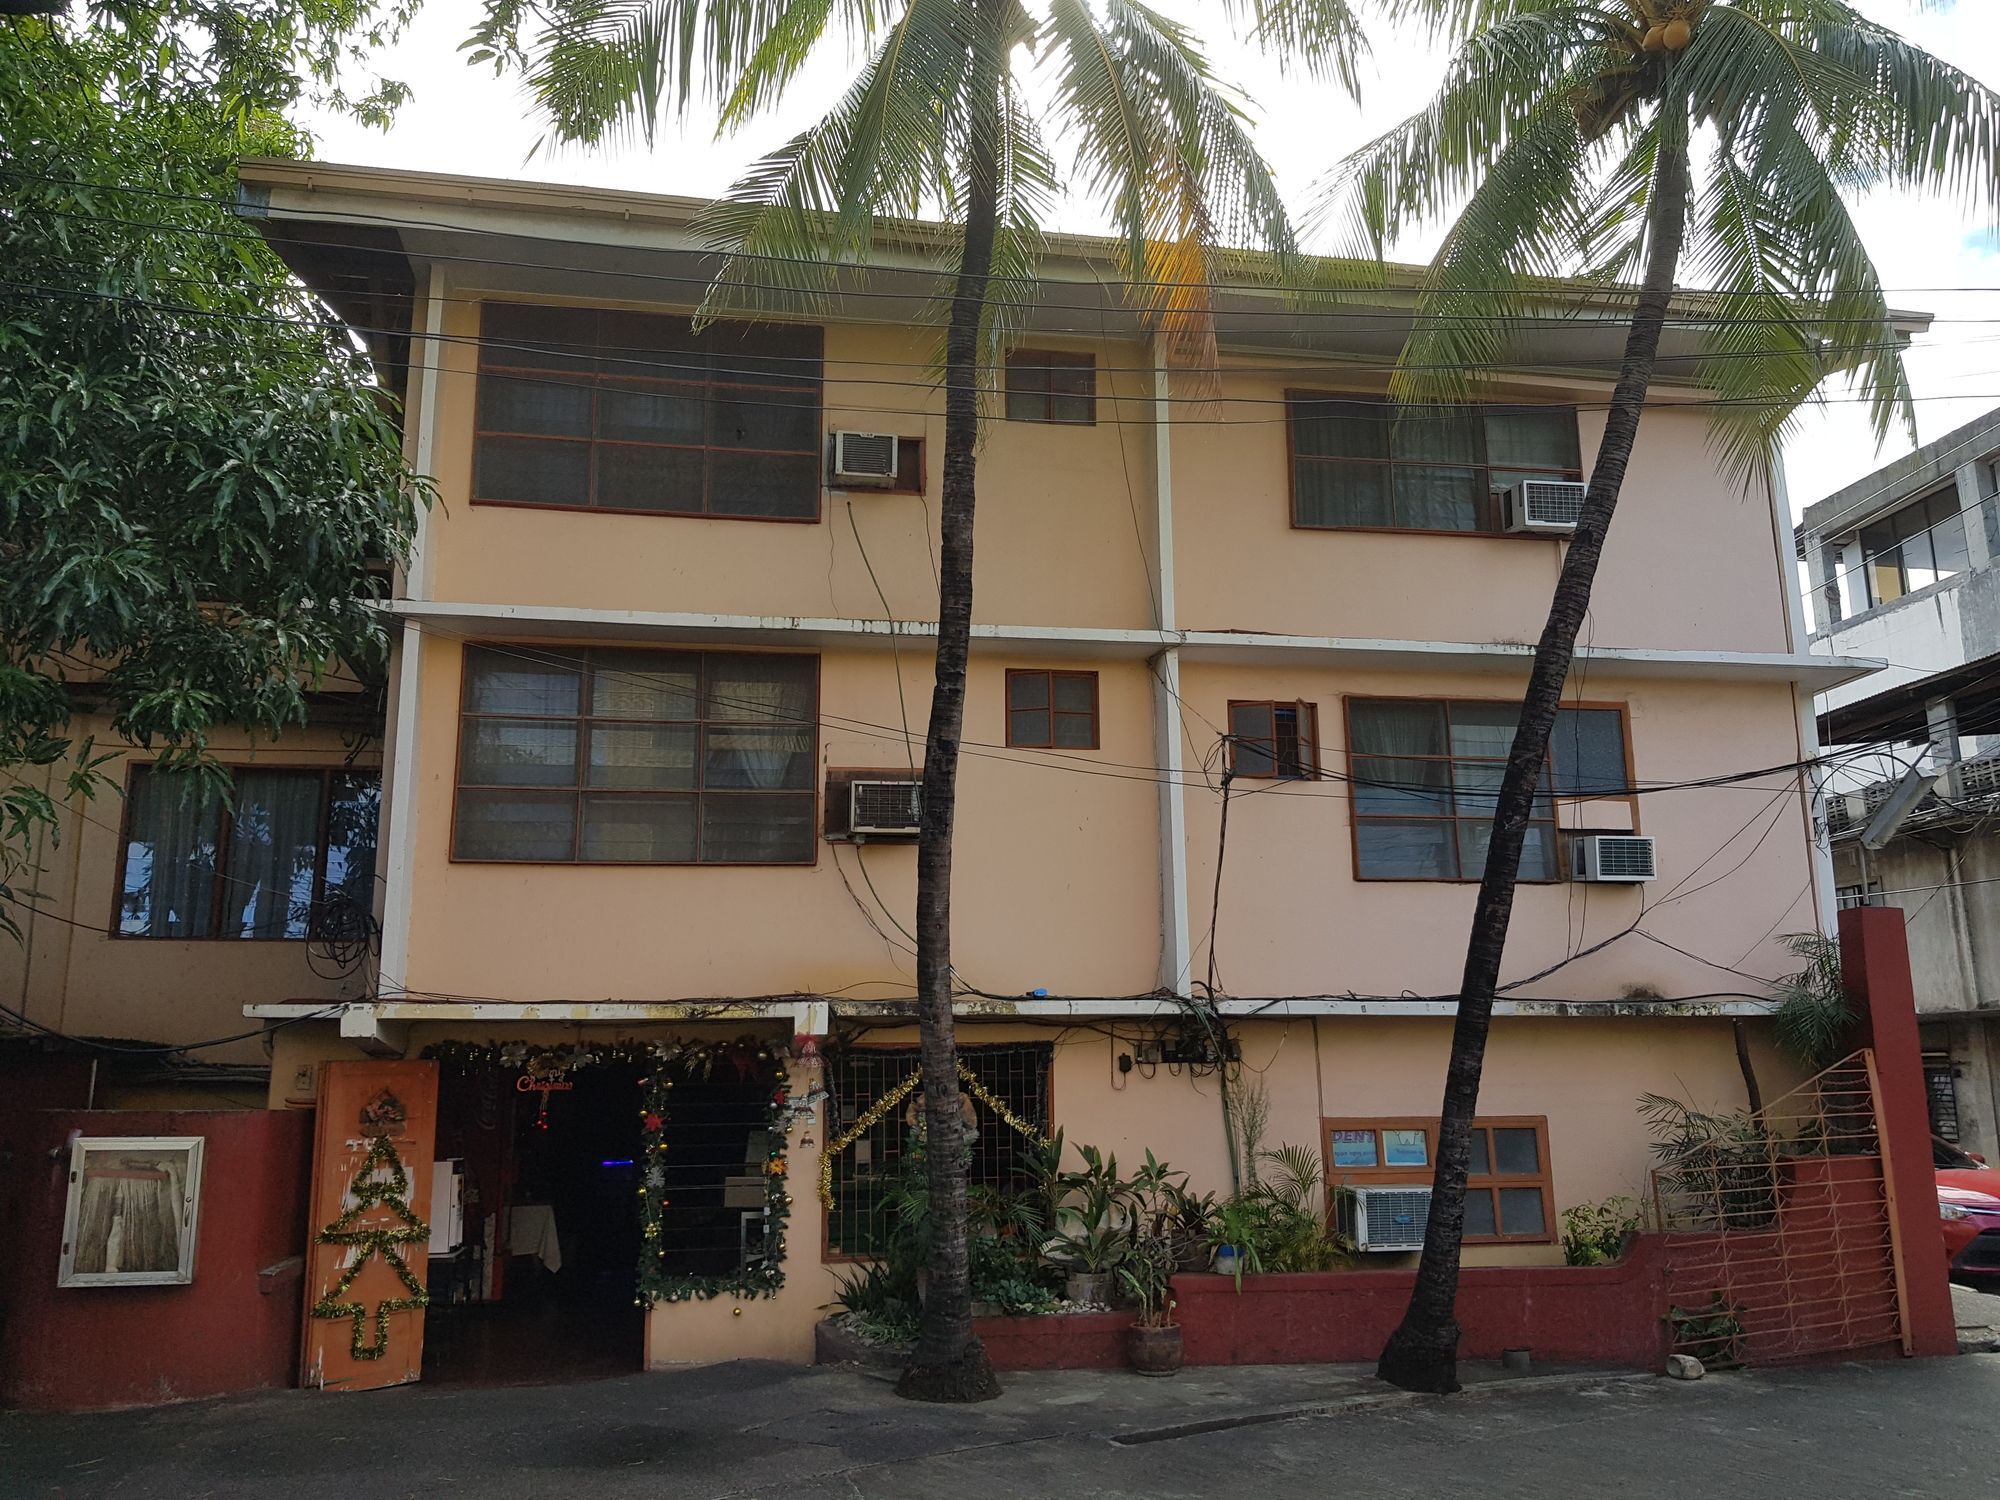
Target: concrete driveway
(766, 1431)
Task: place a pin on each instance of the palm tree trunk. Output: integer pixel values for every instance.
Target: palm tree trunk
(1422, 1354)
(949, 1363)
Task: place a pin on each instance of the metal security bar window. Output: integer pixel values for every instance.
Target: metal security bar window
(1361, 463)
(1045, 385)
(611, 410)
(1017, 1075)
(268, 862)
(1425, 773)
(636, 757)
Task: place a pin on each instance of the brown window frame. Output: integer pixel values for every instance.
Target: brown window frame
(1490, 1182)
(1556, 799)
(1489, 516)
(583, 719)
(1307, 715)
(504, 359)
(220, 878)
(1050, 712)
(1019, 398)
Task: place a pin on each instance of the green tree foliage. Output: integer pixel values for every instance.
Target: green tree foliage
(196, 462)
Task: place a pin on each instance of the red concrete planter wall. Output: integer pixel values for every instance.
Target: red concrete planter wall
(1596, 1314)
(1593, 1314)
(1076, 1341)
(235, 1327)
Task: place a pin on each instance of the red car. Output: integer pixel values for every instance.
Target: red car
(1969, 1204)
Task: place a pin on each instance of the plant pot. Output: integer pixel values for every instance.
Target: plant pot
(1226, 1257)
(1153, 1351)
(1088, 1286)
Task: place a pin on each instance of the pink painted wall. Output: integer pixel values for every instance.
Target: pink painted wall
(233, 1328)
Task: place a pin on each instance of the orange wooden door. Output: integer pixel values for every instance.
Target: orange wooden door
(367, 1239)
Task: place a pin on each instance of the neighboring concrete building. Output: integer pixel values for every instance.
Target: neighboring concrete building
(664, 619)
(1902, 564)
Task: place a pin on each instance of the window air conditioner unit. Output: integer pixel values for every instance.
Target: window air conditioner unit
(1548, 507)
(892, 808)
(1621, 857)
(1385, 1218)
(865, 459)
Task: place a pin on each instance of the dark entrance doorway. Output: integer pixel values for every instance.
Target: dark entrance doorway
(542, 1286)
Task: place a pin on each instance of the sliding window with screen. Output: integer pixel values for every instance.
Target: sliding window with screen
(603, 409)
(607, 756)
(1361, 463)
(1424, 773)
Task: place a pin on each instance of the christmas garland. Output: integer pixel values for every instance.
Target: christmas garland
(874, 1113)
(372, 1192)
(765, 1273)
(695, 1058)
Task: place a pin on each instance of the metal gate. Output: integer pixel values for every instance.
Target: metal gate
(1779, 1239)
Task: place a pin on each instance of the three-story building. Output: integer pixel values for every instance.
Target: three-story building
(1246, 654)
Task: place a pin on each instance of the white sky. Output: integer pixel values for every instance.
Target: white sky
(464, 120)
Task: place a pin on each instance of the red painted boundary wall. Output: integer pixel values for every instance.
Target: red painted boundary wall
(234, 1328)
(1594, 1314)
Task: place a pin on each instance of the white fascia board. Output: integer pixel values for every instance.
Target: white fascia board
(1818, 672)
(612, 1012)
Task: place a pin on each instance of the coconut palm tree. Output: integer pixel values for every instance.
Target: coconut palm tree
(941, 119)
(1608, 137)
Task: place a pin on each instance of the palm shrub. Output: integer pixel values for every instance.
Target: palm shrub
(944, 117)
(1639, 138)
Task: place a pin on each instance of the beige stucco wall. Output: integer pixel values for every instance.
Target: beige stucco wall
(1691, 563)
(1056, 878)
(1584, 1076)
(1294, 920)
(1058, 871)
(71, 974)
(1080, 483)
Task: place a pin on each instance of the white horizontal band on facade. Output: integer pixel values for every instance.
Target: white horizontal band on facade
(1245, 647)
(814, 1016)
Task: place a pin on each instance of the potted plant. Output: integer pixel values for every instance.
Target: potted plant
(1153, 1343)
(1235, 1230)
(1093, 1228)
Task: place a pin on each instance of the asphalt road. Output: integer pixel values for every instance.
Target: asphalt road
(1874, 1430)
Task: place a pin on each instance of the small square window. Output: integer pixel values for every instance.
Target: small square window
(1052, 710)
(1045, 385)
(1274, 740)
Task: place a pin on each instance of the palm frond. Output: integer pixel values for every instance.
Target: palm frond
(1322, 38)
(802, 213)
(614, 70)
(1164, 145)
(1499, 80)
(1935, 126)
(1522, 225)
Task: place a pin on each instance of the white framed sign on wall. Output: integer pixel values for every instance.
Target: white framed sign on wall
(134, 1207)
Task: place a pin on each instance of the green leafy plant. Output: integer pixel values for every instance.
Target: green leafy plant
(877, 1305)
(1813, 1018)
(1717, 1171)
(1093, 1216)
(1147, 1273)
(1713, 1334)
(1292, 1233)
(1236, 1229)
(1593, 1234)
